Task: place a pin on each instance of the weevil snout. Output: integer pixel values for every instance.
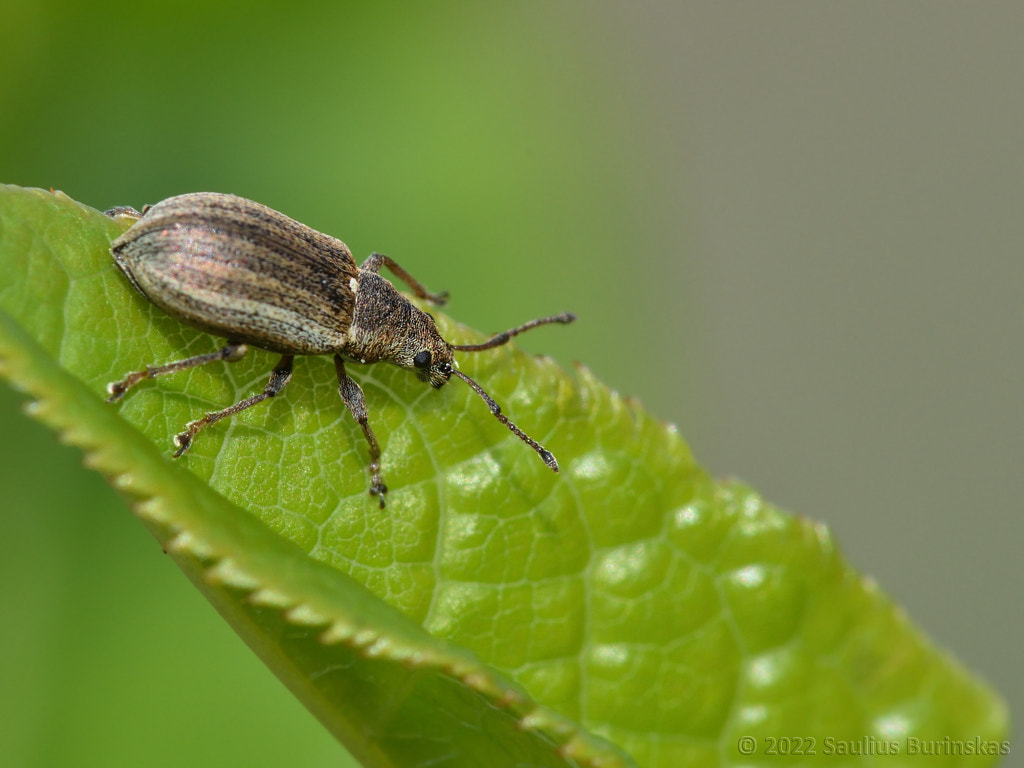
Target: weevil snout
(430, 371)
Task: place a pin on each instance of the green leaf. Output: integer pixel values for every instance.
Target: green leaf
(494, 613)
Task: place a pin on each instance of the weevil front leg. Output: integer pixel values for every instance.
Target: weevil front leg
(354, 400)
(230, 353)
(279, 377)
(377, 260)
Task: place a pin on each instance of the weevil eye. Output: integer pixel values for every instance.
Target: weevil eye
(422, 360)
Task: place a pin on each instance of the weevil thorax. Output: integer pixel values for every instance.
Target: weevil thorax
(386, 327)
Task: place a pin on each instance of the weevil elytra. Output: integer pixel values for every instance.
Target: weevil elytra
(245, 272)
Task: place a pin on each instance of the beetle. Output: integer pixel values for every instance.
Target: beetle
(245, 272)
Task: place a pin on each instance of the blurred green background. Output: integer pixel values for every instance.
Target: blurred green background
(792, 229)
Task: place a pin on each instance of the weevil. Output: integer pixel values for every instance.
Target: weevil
(257, 278)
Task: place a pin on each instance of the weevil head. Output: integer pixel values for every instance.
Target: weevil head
(420, 347)
(410, 340)
(387, 327)
(431, 356)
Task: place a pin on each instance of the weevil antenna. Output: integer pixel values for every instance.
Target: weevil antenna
(546, 456)
(503, 338)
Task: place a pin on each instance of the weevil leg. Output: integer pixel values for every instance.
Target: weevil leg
(279, 377)
(354, 400)
(230, 352)
(376, 260)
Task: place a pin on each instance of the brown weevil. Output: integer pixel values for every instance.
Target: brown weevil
(245, 272)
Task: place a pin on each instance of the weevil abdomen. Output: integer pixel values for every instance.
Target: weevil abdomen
(242, 271)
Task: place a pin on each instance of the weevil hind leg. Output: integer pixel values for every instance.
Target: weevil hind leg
(377, 260)
(352, 395)
(230, 352)
(279, 378)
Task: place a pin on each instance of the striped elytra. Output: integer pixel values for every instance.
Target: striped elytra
(242, 270)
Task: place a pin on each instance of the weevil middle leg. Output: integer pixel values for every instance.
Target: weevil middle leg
(279, 378)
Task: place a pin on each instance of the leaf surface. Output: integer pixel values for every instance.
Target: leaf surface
(494, 613)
